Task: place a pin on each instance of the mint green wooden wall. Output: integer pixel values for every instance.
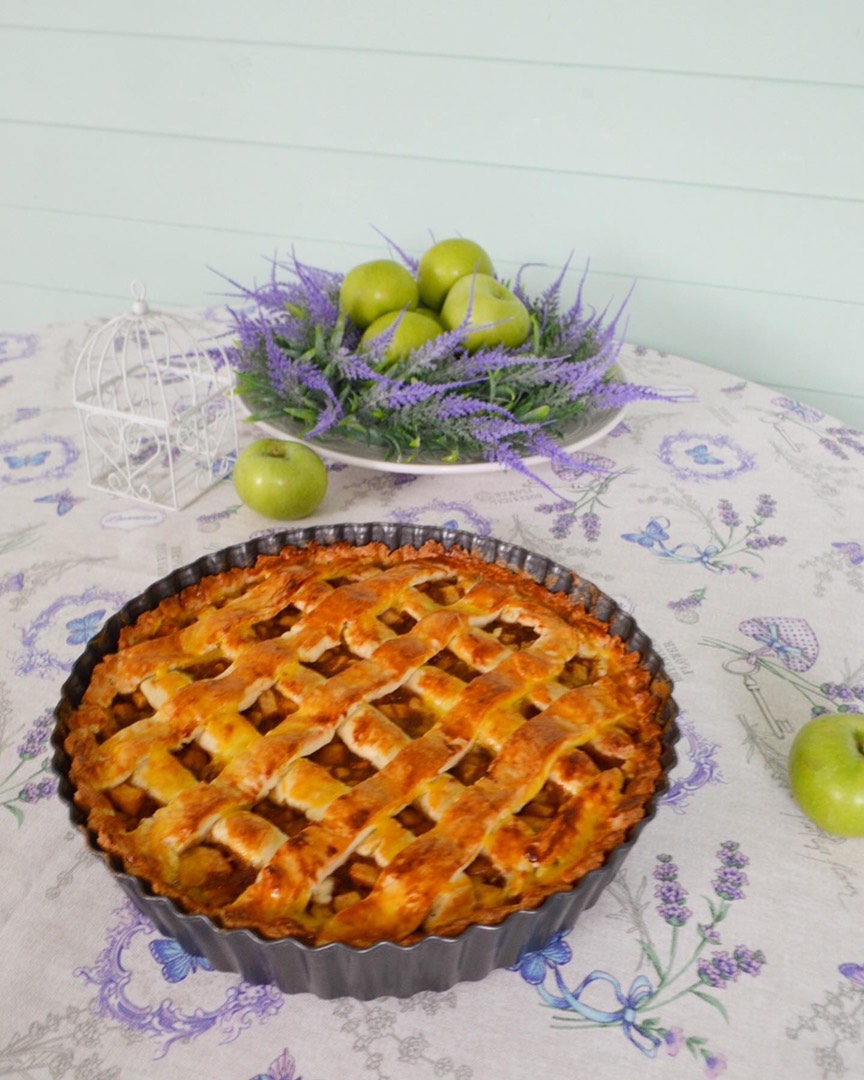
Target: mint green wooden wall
(712, 153)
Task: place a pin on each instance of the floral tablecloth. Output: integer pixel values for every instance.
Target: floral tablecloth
(732, 940)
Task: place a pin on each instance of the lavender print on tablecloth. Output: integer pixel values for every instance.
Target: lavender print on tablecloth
(702, 457)
(686, 607)
(843, 442)
(31, 779)
(787, 648)
(36, 459)
(591, 477)
(792, 408)
(17, 346)
(732, 544)
(447, 514)
(125, 966)
(46, 656)
(703, 971)
(704, 768)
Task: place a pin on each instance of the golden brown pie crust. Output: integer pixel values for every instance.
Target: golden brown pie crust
(355, 744)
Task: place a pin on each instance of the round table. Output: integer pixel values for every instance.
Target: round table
(731, 525)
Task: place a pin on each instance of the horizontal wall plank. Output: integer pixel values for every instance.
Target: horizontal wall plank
(767, 339)
(776, 340)
(770, 136)
(775, 39)
(708, 153)
(735, 240)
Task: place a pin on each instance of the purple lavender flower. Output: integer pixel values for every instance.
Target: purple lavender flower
(33, 745)
(725, 966)
(853, 444)
(759, 543)
(728, 515)
(749, 962)
(833, 448)
(729, 883)
(766, 507)
(730, 879)
(554, 508)
(848, 437)
(709, 975)
(687, 603)
(842, 693)
(715, 1064)
(674, 914)
(666, 870)
(670, 892)
(730, 854)
(38, 789)
(591, 526)
(36, 738)
(673, 1040)
(720, 970)
(709, 934)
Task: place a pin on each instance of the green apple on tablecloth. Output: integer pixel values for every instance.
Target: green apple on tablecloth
(826, 772)
(280, 479)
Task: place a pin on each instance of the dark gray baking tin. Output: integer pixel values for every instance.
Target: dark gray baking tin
(385, 969)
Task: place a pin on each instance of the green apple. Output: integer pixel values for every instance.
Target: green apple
(488, 311)
(442, 265)
(280, 479)
(430, 313)
(408, 330)
(826, 772)
(374, 288)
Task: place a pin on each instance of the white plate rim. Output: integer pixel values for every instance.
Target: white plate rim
(604, 421)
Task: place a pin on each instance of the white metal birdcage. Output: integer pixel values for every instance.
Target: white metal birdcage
(154, 394)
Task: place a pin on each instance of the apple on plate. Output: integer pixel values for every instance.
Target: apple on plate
(442, 265)
(403, 332)
(826, 772)
(280, 479)
(488, 312)
(373, 288)
(430, 313)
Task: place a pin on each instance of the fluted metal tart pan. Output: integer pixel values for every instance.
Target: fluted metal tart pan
(385, 969)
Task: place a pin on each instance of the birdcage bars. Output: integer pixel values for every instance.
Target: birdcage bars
(154, 395)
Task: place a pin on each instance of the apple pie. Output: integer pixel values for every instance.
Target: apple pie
(355, 744)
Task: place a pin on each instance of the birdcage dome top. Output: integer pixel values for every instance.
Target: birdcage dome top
(150, 363)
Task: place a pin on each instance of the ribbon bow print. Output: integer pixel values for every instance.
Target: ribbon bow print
(625, 1014)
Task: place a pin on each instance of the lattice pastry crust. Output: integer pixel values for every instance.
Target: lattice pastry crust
(351, 744)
